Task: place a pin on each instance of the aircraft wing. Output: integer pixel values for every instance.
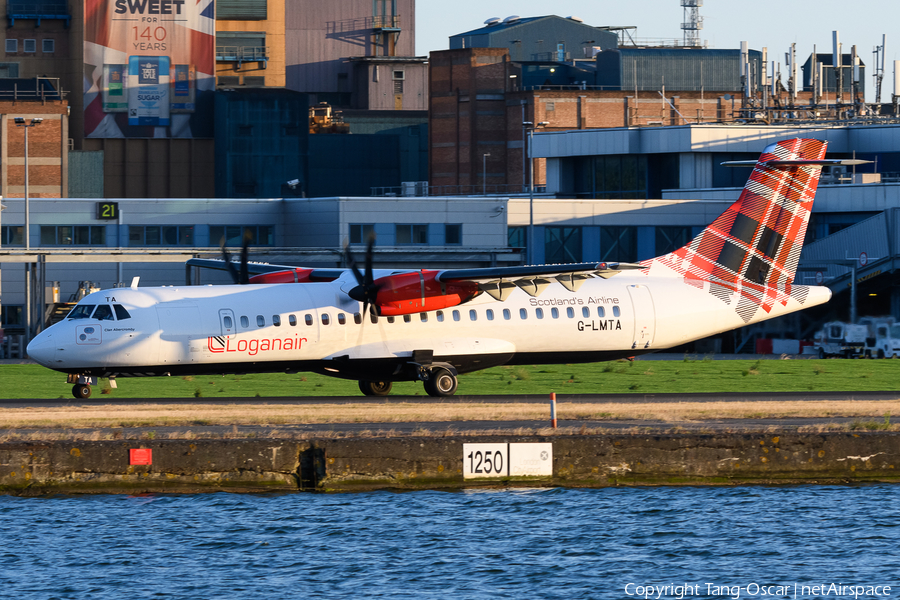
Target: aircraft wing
(498, 282)
(262, 269)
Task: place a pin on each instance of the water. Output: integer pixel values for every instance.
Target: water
(534, 543)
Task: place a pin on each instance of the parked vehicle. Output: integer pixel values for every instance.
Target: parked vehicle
(872, 337)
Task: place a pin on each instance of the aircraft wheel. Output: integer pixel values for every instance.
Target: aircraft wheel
(441, 383)
(375, 388)
(81, 391)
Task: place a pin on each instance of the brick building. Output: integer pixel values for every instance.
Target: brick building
(47, 149)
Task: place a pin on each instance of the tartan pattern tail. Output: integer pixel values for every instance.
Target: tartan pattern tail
(750, 252)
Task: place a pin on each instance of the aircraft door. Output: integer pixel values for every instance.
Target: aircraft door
(644, 316)
(227, 323)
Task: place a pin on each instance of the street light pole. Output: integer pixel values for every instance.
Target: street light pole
(484, 173)
(20, 122)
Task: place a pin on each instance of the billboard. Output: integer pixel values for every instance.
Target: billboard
(149, 68)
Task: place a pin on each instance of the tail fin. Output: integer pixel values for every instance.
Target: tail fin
(752, 249)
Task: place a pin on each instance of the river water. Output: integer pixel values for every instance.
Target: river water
(701, 542)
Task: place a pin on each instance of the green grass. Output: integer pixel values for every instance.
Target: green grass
(640, 377)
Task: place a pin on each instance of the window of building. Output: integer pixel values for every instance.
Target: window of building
(160, 235)
(669, 239)
(361, 232)
(260, 235)
(517, 237)
(12, 46)
(245, 322)
(620, 176)
(9, 70)
(241, 46)
(618, 243)
(398, 86)
(254, 81)
(228, 81)
(29, 46)
(11, 314)
(411, 234)
(241, 10)
(562, 245)
(69, 235)
(11, 235)
(48, 46)
(453, 234)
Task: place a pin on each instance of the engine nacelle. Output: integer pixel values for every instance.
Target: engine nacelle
(298, 275)
(410, 293)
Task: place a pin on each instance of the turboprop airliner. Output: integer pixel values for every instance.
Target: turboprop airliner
(381, 326)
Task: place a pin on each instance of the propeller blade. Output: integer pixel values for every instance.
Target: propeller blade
(227, 257)
(245, 275)
(367, 291)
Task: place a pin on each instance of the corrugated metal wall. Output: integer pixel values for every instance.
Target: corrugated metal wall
(85, 174)
(676, 68)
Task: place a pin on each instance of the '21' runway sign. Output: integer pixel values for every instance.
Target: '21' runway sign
(507, 460)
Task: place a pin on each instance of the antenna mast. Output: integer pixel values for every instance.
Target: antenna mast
(692, 23)
(879, 69)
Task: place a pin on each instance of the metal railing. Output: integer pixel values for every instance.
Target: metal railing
(45, 88)
(386, 22)
(502, 189)
(38, 8)
(242, 53)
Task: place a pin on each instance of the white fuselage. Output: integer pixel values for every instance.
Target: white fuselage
(219, 329)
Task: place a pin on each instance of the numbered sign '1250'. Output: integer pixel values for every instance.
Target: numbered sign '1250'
(485, 460)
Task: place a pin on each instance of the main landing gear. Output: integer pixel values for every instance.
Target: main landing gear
(375, 388)
(441, 382)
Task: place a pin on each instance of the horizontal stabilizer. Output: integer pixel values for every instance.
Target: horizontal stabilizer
(823, 162)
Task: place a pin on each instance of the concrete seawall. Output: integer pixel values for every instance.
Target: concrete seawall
(34, 468)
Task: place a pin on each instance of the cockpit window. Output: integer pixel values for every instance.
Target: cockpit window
(82, 311)
(121, 313)
(104, 313)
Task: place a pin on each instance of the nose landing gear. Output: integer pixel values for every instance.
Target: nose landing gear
(82, 387)
(81, 391)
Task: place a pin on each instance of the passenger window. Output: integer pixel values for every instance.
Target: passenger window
(103, 313)
(325, 319)
(245, 322)
(390, 319)
(260, 321)
(570, 312)
(489, 314)
(407, 318)
(357, 318)
(292, 319)
(308, 319)
(616, 311)
(423, 317)
(121, 313)
(554, 312)
(82, 311)
(440, 316)
(539, 313)
(473, 316)
(276, 320)
(342, 319)
(585, 312)
(373, 317)
(226, 320)
(456, 315)
(506, 314)
(601, 312)
(523, 314)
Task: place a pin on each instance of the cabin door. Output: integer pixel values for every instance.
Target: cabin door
(644, 316)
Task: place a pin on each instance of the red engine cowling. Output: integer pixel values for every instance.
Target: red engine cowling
(409, 293)
(298, 275)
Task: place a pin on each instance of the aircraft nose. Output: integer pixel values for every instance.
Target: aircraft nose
(42, 349)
